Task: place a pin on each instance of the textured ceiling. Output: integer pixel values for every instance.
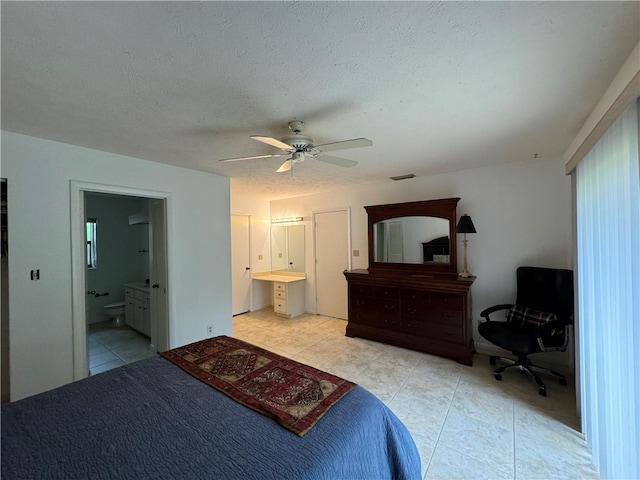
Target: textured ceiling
(437, 86)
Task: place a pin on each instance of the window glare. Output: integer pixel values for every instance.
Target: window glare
(92, 258)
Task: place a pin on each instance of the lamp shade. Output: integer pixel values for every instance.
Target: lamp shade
(465, 225)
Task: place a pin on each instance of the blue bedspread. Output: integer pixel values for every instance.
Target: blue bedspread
(152, 420)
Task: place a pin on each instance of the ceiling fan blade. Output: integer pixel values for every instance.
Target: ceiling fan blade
(286, 166)
(342, 162)
(354, 143)
(273, 142)
(254, 157)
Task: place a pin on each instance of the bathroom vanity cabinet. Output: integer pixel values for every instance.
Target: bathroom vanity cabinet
(288, 292)
(137, 308)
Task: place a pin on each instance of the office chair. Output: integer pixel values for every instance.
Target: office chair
(537, 322)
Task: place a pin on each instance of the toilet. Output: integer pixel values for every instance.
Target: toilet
(115, 311)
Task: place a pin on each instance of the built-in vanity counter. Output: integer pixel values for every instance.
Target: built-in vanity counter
(137, 309)
(288, 291)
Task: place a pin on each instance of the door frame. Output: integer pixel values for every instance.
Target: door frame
(78, 267)
(315, 258)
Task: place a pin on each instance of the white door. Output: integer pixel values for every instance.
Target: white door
(332, 249)
(240, 264)
(158, 276)
(394, 238)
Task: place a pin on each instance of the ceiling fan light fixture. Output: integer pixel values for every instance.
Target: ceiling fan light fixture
(301, 146)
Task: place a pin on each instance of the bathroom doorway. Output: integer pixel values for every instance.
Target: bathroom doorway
(133, 228)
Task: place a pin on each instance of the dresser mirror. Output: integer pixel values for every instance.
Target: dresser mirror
(419, 237)
(287, 248)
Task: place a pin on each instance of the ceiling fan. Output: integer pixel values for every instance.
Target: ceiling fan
(299, 147)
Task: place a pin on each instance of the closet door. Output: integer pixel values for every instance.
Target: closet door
(332, 248)
(240, 264)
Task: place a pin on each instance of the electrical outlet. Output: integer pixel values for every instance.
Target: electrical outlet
(260, 257)
(356, 253)
(209, 329)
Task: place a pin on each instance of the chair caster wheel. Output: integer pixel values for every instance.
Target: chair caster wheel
(563, 382)
(497, 376)
(492, 360)
(543, 392)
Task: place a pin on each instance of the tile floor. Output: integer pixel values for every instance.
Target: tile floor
(465, 423)
(111, 347)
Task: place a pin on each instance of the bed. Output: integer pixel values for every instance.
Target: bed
(153, 419)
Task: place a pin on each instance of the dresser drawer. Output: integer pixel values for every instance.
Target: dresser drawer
(375, 318)
(374, 305)
(414, 296)
(278, 294)
(279, 287)
(445, 332)
(447, 316)
(374, 291)
(447, 300)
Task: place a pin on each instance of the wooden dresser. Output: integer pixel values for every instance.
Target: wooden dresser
(426, 313)
(411, 295)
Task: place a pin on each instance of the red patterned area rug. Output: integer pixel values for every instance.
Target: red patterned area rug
(294, 394)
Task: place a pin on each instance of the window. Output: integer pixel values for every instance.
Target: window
(608, 234)
(92, 251)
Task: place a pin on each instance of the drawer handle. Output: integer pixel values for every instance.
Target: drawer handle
(389, 307)
(360, 302)
(448, 316)
(412, 310)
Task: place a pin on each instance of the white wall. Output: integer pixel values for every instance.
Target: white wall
(522, 212)
(199, 268)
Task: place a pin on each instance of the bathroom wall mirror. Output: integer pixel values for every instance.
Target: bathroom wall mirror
(287, 248)
(418, 237)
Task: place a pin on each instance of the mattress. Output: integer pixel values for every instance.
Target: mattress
(153, 420)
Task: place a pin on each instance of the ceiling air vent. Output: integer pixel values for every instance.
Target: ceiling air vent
(403, 177)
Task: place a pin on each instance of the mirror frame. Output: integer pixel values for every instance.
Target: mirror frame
(441, 208)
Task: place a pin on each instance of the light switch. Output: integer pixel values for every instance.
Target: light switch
(356, 253)
(260, 257)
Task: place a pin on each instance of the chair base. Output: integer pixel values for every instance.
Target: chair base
(524, 364)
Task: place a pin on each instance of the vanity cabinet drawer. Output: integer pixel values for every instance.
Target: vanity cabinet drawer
(288, 298)
(280, 306)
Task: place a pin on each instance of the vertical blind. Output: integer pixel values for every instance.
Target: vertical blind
(608, 272)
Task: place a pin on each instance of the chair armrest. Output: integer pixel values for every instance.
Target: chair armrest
(488, 311)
